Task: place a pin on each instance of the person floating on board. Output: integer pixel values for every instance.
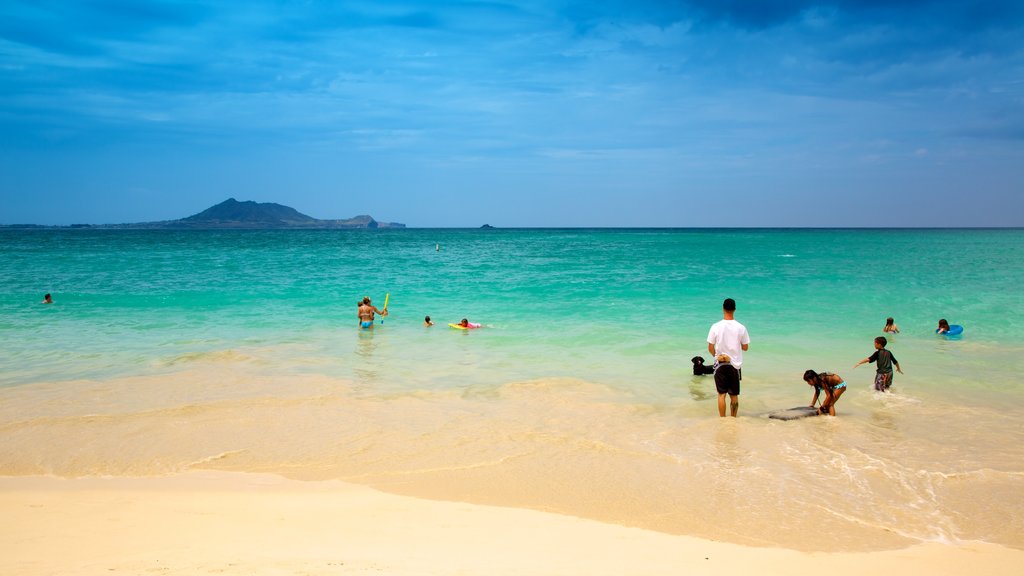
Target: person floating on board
(366, 312)
(884, 363)
(730, 339)
(831, 384)
(47, 300)
(465, 323)
(890, 326)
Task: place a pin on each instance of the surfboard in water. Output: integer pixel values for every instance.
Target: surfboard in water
(794, 413)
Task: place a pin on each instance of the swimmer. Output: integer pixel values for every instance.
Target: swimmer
(427, 322)
(366, 312)
(890, 326)
(832, 384)
(943, 327)
(47, 300)
(465, 323)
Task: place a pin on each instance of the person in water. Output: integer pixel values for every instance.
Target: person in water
(47, 300)
(883, 369)
(890, 326)
(943, 327)
(465, 323)
(831, 384)
(427, 322)
(366, 313)
(728, 339)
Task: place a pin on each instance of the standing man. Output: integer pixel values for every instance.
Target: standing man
(727, 341)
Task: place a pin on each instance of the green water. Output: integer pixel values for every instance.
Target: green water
(239, 350)
(626, 307)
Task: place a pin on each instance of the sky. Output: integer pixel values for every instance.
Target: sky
(561, 113)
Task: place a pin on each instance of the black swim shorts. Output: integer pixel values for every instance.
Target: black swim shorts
(727, 380)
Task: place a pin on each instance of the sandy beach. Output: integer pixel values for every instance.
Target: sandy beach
(239, 523)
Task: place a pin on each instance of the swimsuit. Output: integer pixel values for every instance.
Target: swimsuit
(727, 379)
(366, 324)
(830, 388)
(883, 380)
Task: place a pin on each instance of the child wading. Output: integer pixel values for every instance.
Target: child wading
(884, 363)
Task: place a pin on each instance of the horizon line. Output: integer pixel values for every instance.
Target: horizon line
(128, 228)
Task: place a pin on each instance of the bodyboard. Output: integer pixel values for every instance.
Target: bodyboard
(794, 413)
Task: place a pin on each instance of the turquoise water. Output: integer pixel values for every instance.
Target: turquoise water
(608, 305)
(580, 377)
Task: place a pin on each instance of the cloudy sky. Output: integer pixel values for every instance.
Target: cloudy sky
(527, 113)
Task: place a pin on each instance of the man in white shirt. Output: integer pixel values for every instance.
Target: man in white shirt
(727, 341)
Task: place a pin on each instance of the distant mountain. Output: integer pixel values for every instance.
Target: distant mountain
(251, 215)
(231, 212)
(234, 214)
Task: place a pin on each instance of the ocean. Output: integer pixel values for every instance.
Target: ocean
(168, 351)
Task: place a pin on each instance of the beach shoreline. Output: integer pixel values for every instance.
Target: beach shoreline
(250, 523)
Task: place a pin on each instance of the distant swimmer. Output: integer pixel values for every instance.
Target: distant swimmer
(833, 386)
(465, 324)
(884, 363)
(47, 300)
(890, 326)
(427, 322)
(437, 248)
(366, 312)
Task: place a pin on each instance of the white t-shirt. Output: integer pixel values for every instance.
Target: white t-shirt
(729, 336)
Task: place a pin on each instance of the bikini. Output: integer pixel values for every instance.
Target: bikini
(834, 387)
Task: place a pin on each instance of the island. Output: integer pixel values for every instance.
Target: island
(246, 215)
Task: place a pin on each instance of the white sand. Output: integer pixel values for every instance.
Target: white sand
(232, 523)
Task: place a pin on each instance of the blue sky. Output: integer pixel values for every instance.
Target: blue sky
(531, 113)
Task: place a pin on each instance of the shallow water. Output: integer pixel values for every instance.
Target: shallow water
(238, 350)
